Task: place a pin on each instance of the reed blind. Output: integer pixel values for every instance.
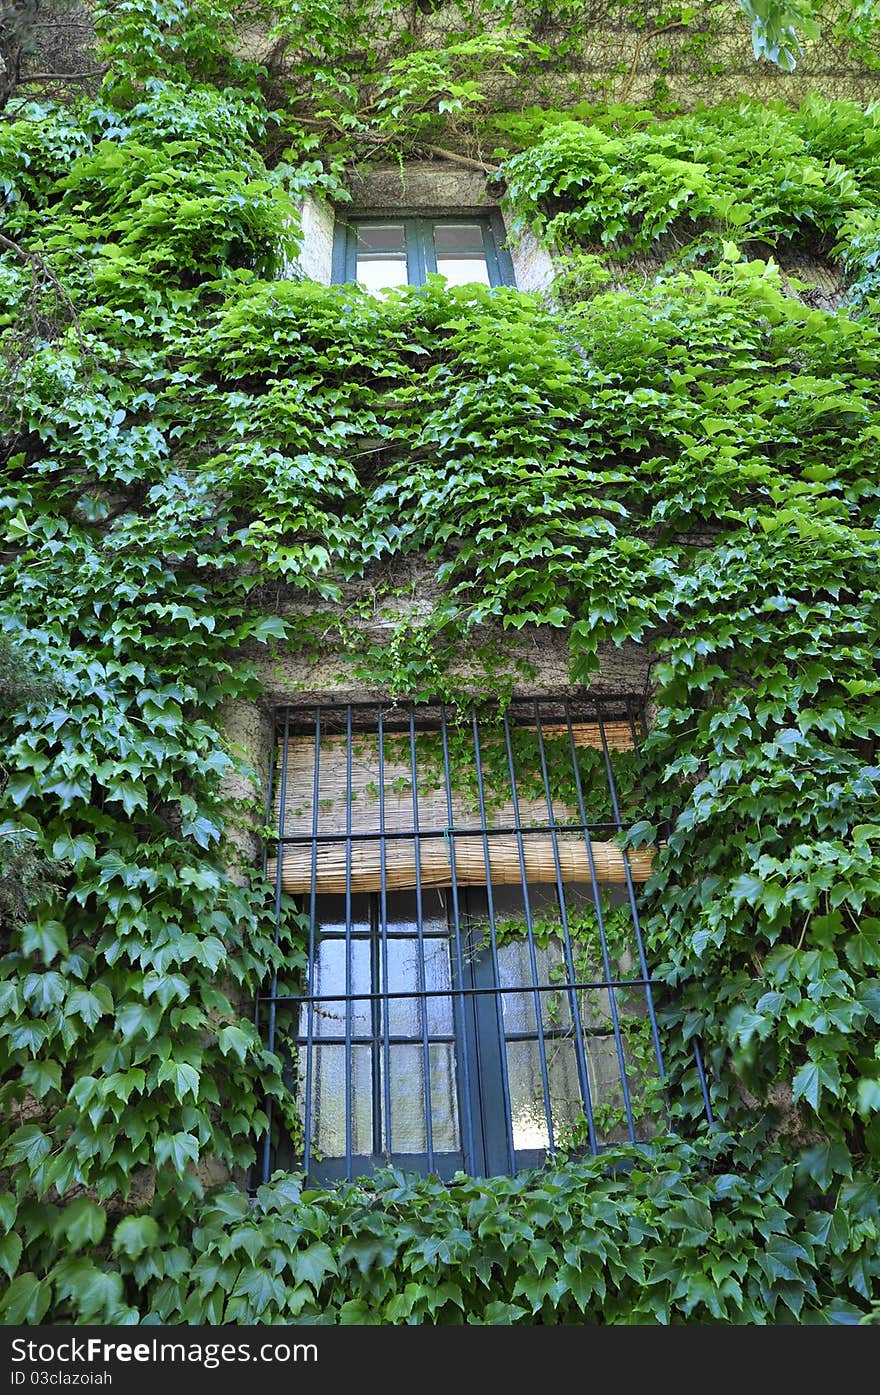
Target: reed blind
(383, 808)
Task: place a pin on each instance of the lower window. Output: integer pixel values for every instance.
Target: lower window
(475, 994)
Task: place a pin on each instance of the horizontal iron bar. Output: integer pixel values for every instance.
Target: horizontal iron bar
(452, 992)
(410, 834)
(433, 938)
(585, 699)
(440, 1039)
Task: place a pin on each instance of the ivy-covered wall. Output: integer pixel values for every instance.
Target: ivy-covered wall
(687, 463)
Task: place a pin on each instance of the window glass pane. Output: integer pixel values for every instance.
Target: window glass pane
(460, 254)
(460, 272)
(329, 1018)
(527, 1104)
(407, 1081)
(515, 969)
(405, 1018)
(381, 274)
(381, 237)
(458, 239)
(328, 1100)
(381, 255)
(331, 915)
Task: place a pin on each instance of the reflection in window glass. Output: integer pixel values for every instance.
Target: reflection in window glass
(381, 256)
(461, 257)
(381, 275)
(460, 239)
(459, 272)
(381, 238)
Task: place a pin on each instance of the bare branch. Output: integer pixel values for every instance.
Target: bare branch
(41, 270)
(62, 77)
(637, 51)
(466, 160)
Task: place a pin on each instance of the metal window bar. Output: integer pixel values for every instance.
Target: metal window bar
(583, 1072)
(420, 928)
(499, 1014)
(630, 887)
(310, 968)
(466, 1040)
(600, 921)
(348, 947)
(273, 995)
(467, 1110)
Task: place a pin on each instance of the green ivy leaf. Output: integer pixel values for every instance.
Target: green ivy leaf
(179, 1149)
(83, 1222)
(812, 1078)
(26, 1301)
(269, 627)
(312, 1266)
(76, 849)
(28, 1145)
(95, 1294)
(47, 938)
(136, 1234)
(10, 1254)
(8, 1210)
(183, 1077)
(235, 1040)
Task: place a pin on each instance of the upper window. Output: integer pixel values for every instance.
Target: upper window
(380, 253)
(474, 992)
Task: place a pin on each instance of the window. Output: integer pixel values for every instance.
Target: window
(381, 253)
(475, 993)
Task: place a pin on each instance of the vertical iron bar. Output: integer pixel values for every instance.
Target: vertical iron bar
(600, 921)
(348, 947)
(631, 891)
(499, 1010)
(269, 819)
(469, 1150)
(707, 1103)
(273, 1008)
(583, 1069)
(312, 961)
(420, 930)
(383, 939)
(376, 1006)
(530, 937)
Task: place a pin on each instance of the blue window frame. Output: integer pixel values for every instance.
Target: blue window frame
(475, 994)
(383, 252)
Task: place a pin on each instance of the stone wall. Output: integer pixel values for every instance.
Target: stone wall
(535, 659)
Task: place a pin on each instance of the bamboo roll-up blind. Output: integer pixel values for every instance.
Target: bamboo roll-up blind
(435, 862)
(349, 779)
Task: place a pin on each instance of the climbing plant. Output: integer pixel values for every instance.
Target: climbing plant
(193, 444)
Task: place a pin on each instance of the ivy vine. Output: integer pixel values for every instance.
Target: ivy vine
(689, 464)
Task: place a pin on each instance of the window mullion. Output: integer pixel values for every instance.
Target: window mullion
(491, 254)
(424, 233)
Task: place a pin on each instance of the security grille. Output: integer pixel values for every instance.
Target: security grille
(475, 993)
